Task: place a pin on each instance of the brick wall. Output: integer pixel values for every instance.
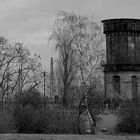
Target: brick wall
(125, 83)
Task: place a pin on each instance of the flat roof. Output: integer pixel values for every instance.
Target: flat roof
(115, 19)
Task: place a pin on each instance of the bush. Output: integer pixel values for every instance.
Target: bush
(63, 122)
(23, 118)
(25, 112)
(128, 118)
(30, 120)
(31, 117)
(32, 98)
(6, 122)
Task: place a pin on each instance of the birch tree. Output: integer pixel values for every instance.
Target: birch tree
(79, 43)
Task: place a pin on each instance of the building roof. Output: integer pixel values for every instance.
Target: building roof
(117, 19)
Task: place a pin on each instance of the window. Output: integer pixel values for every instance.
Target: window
(134, 87)
(125, 26)
(131, 44)
(116, 83)
(131, 48)
(133, 26)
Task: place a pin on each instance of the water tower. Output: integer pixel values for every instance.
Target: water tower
(122, 67)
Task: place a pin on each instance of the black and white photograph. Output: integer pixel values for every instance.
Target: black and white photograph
(69, 69)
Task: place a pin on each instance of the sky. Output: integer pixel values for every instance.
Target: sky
(31, 21)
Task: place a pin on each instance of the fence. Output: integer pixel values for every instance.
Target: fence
(94, 108)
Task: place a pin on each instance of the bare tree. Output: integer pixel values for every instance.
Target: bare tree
(7, 58)
(79, 43)
(63, 38)
(88, 40)
(17, 69)
(29, 69)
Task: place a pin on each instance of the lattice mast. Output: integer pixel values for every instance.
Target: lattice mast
(52, 82)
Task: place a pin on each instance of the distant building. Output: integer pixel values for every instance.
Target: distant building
(122, 68)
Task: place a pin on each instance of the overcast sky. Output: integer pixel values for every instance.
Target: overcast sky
(31, 21)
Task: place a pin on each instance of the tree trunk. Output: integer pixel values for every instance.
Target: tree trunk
(65, 101)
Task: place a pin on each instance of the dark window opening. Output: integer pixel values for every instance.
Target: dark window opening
(125, 26)
(134, 87)
(56, 99)
(116, 84)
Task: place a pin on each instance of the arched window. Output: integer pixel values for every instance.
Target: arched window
(116, 83)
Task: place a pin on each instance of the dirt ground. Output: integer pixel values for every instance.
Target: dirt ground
(106, 121)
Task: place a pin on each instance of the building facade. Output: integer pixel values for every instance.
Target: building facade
(122, 67)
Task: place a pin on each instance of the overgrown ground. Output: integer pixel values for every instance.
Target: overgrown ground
(106, 121)
(6, 125)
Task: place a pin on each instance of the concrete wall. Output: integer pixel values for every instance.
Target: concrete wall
(125, 83)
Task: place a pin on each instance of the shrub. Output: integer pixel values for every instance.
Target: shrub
(128, 118)
(30, 117)
(23, 118)
(63, 122)
(32, 98)
(6, 122)
(25, 112)
(30, 120)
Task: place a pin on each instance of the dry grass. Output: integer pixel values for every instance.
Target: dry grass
(64, 137)
(108, 121)
(6, 122)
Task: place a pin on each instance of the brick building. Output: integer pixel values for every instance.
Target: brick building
(122, 67)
